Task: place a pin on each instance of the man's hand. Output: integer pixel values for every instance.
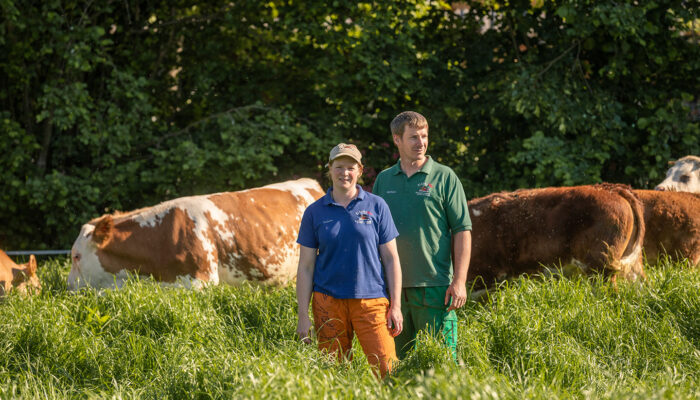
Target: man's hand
(458, 292)
(304, 329)
(394, 320)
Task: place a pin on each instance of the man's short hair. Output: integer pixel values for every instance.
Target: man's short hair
(407, 118)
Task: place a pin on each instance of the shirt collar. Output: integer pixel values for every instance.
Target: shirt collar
(328, 198)
(427, 168)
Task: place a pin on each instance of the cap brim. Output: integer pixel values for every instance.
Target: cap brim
(330, 160)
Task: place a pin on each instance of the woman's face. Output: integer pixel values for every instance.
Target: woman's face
(344, 172)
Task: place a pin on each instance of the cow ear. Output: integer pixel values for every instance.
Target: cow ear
(103, 230)
(671, 162)
(31, 266)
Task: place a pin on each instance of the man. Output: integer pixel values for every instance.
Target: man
(429, 208)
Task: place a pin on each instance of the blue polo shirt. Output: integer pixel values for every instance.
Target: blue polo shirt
(348, 264)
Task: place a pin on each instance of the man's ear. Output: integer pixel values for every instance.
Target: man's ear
(397, 139)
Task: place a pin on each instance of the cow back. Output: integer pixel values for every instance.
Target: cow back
(230, 237)
(520, 232)
(672, 224)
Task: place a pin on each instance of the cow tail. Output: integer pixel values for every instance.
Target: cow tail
(103, 230)
(632, 257)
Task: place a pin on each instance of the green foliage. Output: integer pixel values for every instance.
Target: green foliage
(541, 339)
(119, 105)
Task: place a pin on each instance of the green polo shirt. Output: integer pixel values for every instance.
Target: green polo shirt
(427, 209)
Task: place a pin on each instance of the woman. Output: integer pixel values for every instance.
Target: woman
(346, 236)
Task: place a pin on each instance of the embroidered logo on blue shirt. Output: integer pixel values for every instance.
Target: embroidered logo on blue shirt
(363, 217)
(424, 189)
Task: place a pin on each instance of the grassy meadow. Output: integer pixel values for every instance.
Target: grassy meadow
(531, 338)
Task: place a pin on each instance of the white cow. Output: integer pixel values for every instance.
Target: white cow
(683, 176)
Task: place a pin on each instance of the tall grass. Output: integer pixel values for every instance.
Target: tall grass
(531, 338)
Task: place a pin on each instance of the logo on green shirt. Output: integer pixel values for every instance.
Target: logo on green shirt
(424, 189)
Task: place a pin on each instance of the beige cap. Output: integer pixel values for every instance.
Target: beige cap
(347, 150)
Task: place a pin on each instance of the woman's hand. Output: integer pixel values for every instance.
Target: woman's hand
(304, 329)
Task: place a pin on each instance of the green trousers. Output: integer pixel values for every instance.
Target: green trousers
(424, 308)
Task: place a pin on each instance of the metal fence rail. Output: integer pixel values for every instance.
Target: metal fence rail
(38, 252)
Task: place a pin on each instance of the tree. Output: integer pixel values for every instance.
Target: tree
(119, 105)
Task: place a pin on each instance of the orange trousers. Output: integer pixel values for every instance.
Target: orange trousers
(337, 320)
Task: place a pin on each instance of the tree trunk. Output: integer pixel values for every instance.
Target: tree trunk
(45, 144)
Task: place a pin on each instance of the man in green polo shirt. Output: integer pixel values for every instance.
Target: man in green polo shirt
(429, 208)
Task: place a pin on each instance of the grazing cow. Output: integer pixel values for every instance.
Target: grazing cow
(683, 176)
(597, 227)
(227, 237)
(672, 222)
(18, 277)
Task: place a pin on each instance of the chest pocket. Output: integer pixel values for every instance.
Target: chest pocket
(329, 230)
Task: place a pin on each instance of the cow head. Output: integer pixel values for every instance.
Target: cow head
(84, 251)
(683, 176)
(23, 278)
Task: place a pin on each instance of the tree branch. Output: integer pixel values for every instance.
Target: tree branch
(578, 66)
(551, 63)
(513, 40)
(186, 129)
(186, 20)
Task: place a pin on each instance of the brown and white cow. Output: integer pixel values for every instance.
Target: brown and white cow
(683, 176)
(672, 222)
(227, 237)
(597, 228)
(18, 277)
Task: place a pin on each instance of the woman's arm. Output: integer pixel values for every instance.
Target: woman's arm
(392, 269)
(305, 278)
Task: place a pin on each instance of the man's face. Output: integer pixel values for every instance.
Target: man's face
(413, 144)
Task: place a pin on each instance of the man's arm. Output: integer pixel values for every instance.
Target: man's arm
(461, 248)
